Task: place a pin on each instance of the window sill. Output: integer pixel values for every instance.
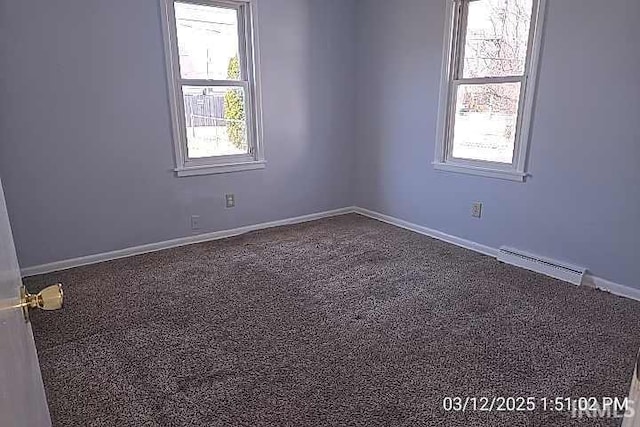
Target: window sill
(221, 168)
(480, 171)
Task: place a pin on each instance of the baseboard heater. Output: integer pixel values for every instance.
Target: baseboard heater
(556, 269)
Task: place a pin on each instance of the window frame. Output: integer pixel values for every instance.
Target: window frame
(248, 56)
(452, 76)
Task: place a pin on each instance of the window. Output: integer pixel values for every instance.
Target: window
(213, 85)
(488, 83)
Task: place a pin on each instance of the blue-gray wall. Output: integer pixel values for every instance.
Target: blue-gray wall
(582, 204)
(85, 148)
(350, 94)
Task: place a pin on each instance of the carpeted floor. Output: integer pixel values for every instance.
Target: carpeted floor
(339, 322)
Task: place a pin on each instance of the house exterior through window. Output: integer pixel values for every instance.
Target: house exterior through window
(213, 85)
(488, 84)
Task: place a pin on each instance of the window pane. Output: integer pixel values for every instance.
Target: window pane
(207, 42)
(215, 121)
(497, 38)
(485, 122)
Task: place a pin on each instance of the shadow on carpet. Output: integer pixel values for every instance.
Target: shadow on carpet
(339, 322)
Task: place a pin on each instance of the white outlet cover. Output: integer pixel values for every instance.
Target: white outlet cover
(476, 210)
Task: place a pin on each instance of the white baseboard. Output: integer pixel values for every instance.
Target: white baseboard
(477, 247)
(613, 288)
(589, 280)
(183, 241)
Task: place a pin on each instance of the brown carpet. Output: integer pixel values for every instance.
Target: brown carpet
(339, 322)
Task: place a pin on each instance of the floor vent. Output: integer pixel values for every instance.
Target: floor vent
(559, 270)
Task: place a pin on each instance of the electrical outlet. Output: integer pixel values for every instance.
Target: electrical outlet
(476, 210)
(195, 222)
(230, 200)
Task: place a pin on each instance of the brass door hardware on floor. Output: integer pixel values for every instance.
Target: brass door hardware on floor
(50, 298)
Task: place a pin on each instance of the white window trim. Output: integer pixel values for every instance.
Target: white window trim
(248, 38)
(450, 64)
